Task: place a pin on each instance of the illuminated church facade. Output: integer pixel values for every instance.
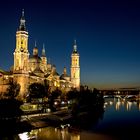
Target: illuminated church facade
(28, 69)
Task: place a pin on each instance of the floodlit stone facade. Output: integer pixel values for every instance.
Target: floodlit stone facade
(28, 69)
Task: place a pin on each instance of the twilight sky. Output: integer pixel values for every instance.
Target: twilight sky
(107, 34)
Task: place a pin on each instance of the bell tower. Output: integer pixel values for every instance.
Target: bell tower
(21, 57)
(21, 54)
(75, 67)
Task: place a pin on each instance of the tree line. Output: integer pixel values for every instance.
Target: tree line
(85, 101)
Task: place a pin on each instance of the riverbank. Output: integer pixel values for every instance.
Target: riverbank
(34, 121)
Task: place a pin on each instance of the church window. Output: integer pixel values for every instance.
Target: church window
(17, 63)
(76, 61)
(25, 64)
(74, 75)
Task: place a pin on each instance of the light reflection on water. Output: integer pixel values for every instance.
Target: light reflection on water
(49, 133)
(121, 120)
(121, 104)
(120, 116)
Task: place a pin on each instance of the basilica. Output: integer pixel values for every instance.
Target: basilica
(28, 69)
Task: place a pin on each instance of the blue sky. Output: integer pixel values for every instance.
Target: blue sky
(107, 34)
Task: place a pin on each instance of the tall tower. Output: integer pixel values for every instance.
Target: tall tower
(75, 67)
(21, 56)
(44, 60)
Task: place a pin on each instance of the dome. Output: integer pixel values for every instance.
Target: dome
(64, 77)
(35, 59)
(35, 51)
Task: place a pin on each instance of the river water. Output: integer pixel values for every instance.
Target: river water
(120, 121)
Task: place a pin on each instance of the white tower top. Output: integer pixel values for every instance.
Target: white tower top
(22, 26)
(43, 51)
(75, 47)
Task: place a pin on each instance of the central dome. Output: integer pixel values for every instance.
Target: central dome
(35, 59)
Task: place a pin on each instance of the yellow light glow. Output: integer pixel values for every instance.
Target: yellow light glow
(117, 107)
(23, 136)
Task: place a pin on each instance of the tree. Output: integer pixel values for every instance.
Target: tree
(10, 108)
(13, 90)
(72, 94)
(37, 90)
(10, 115)
(88, 109)
(9, 105)
(54, 95)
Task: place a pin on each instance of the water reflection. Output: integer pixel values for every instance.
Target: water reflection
(117, 106)
(121, 103)
(120, 119)
(29, 135)
(139, 105)
(49, 133)
(24, 136)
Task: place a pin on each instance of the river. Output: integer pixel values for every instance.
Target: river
(120, 121)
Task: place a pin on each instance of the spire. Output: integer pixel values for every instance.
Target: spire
(75, 47)
(65, 71)
(35, 49)
(75, 42)
(22, 22)
(49, 61)
(43, 51)
(35, 44)
(22, 13)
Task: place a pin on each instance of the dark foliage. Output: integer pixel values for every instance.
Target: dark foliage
(10, 115)
(9, 129)
(10, 109)
(37, 90)
(88, 109)
(13, 90)
(54, 95)
(72, 94)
